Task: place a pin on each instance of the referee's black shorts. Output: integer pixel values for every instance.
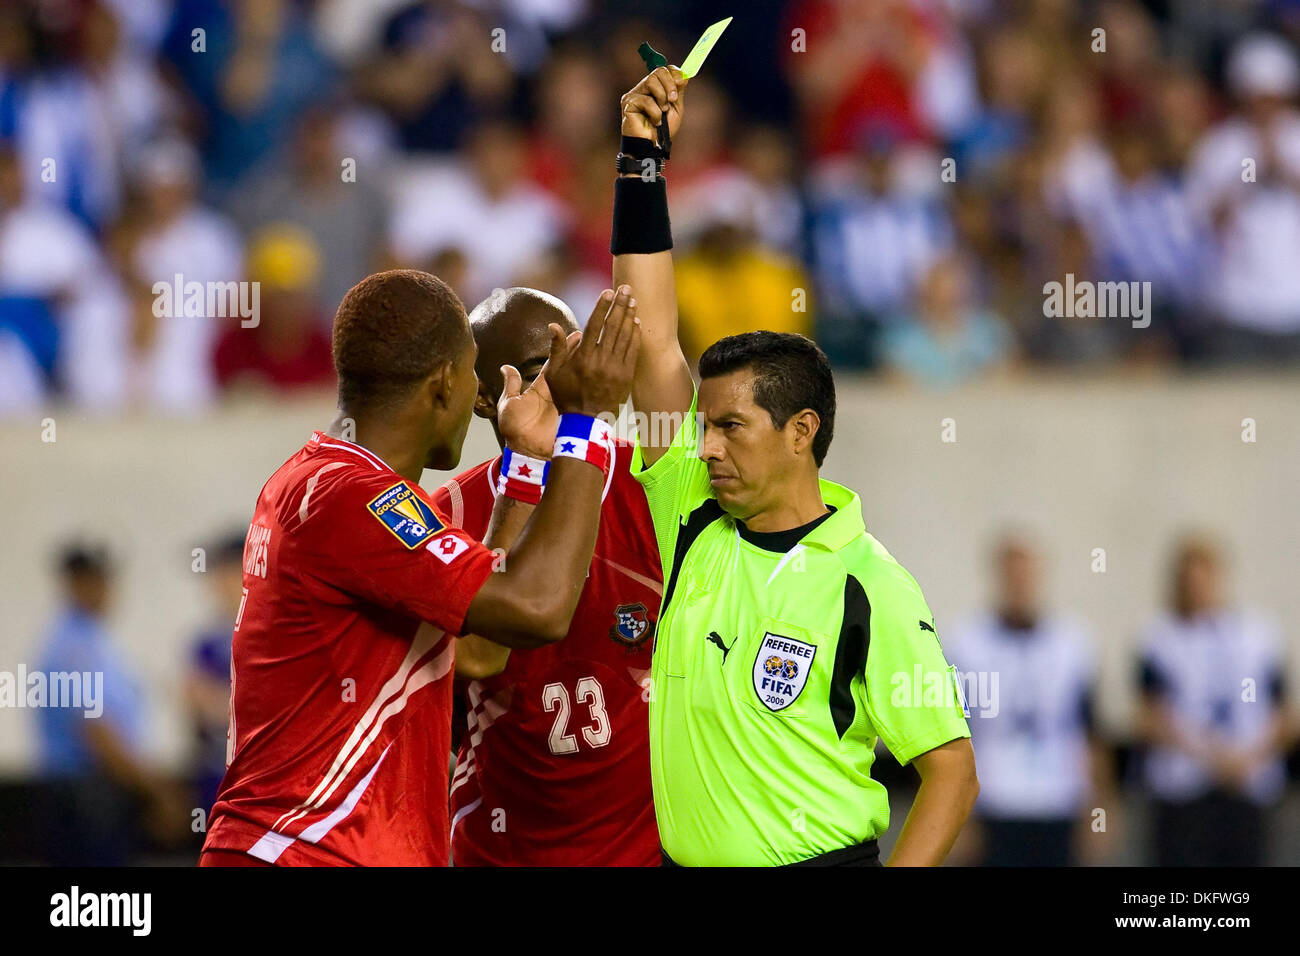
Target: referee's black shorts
(862, 854)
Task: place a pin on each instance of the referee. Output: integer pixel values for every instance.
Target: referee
(789, 639)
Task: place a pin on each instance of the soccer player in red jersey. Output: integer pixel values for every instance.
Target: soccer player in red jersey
(355, 586)
(555, 767)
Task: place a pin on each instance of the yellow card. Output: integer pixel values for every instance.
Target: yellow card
(695, 59)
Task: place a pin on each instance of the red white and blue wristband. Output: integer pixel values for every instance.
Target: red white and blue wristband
(585, 438)
(522, 478)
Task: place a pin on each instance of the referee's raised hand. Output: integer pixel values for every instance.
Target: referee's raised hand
(591, 372)
(645, 105)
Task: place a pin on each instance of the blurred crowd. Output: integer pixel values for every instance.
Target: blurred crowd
(898, 178)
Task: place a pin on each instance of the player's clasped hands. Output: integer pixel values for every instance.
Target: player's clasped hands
(591, 372)
(587, 372)
(527, 419)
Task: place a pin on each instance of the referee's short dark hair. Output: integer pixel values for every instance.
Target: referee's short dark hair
(790, 374)
(392, 329)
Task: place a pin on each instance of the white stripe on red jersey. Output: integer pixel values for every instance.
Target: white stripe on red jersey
(345, 651)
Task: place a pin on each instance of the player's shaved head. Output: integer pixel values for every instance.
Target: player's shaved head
(511, 327)
(391, 331)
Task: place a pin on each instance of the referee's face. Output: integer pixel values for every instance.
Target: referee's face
(751, 462)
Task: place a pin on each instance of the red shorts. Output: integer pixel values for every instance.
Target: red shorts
(229, 858)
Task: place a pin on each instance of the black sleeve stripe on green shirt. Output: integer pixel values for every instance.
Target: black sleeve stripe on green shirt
(850, 653)
(703, 516)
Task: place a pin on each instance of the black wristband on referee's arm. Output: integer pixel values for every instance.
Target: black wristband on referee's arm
(641, 223)
(640, 156)
(640, 148)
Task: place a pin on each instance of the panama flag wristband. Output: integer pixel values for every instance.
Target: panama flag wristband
(585, 438)
(522, 478)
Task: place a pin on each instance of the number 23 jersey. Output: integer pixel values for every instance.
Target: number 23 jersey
(554, 769)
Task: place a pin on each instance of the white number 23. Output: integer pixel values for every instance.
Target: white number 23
(587, 690)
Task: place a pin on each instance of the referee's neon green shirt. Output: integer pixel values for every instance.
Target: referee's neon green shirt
(762, 755)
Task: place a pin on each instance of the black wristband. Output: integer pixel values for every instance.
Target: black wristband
(647, 167)
(640, 156)
(640, 217)
(639, 148)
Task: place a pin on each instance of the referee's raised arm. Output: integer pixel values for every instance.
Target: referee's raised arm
(641, 245)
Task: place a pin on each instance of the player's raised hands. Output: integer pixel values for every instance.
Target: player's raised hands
(644, 106)
(591, 372)
(527, 418)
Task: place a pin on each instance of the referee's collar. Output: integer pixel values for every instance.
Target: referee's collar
(841, 527)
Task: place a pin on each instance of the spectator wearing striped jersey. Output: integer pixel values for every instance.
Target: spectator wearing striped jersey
(872, 238)
(1144, 228)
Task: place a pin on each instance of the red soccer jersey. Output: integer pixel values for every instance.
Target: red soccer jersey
(555, 767)
(342, 666)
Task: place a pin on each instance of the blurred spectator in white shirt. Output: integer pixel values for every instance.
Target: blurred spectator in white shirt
(767, 155)
(137, 105)
(1042, 764)
(138, 356)
(1245, 178)
(1214, 716)
(488, 208)
(758, 172)
(49, 267)
(143, 23)
(1143, 226)
(1076, 166)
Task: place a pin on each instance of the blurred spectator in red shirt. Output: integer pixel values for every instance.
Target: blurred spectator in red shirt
(573, 96)
(1131, 61)
(571, 152)
(877, 63)
(288, 348)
